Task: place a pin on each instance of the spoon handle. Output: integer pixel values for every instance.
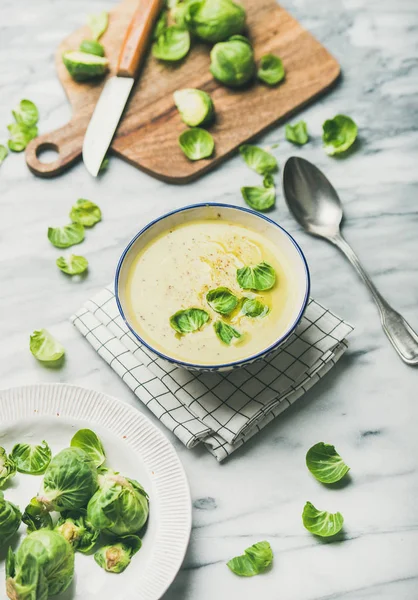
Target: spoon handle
(400, 333)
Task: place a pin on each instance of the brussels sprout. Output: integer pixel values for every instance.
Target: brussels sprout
(82, 66)
(36, 516)
(7, 467)
(195, 106)
(214, 20)
(232, 62)
(120, 505)
(10, 518)
(77, 530)
(42, 566)
(92, 47)
(172, 44)
(196, 143)
(117, 556)
(69, 481)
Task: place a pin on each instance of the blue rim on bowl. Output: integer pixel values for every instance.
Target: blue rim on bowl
(236, 363)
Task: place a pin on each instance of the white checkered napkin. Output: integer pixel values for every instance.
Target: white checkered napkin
(220, 410)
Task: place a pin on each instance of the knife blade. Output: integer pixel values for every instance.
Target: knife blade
(115, 94)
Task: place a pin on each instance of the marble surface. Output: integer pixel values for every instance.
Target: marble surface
(366, 406)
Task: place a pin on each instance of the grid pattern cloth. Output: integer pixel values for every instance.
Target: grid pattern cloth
(220, 410)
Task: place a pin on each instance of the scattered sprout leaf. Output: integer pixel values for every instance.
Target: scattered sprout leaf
(64, 237)
(196, 143)
(88, 441)
(85, 213)
(255, 560)
(339, 134)
(259, 160)
(26, 113)
(321, 522)
(297, 133)
(3, 153)
(73, 265)
(45, 347)
(259, 198)
(20, 136)
(325, 464)
(98, 24)
(31, 459)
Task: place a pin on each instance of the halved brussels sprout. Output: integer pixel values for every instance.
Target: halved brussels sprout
(214, 20)
(10, 518)
(42, 566)
(119, 507)
(115, 557)
(7, 467)
(75, 527)
(82, 66)
(195, 106)
(232, 62)
(172, 44)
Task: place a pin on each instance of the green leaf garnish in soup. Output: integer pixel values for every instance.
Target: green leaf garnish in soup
(98, 24)
(255, 560)
(36, 516)
(251, 307)
(92, 47)
(85, 213)
(339, 134)
(297, 133)
(196, 143)
(321, 522)
(26, 113)
(172, 44)
(64, 237)
(258, 159)
(88, 441)
(73, 265)
(226, 333)
(7, 467)
(259, 198)
(189, 320)
(325, 464)
(31, 459)
(195, 106)
(3, 153)
(45, 347)
(271, 69)
(258, 277)
(222, 300)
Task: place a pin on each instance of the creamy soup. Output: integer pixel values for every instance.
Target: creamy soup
(177, 269)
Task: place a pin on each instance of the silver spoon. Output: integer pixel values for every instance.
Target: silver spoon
(317, 208)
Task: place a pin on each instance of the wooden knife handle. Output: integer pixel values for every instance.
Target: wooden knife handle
(136, 39)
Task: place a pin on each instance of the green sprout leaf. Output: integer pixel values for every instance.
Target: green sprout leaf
(20, 136)
(64, 237)
(339, 134)
(222, 300)
(259, 198)
(7, 467)
(196, 143)
(251, 307)
(31, 459)
(105, 164)
(76, 529)
(258, 159)
(189, 320)
(85, 213)
(268, 181)
(214, 20)
(271, 69)
(115, 557)
(26, 113)
(172, 44)
(232, 62)
(73, 265)
(258, 277)
(36, 516)
(255, 560)
(195, 106)
(98, 24)
(10, 519)
(297, 133)
(226, 333)
(161, 24)
(87, 440)
(3, 153)
(325, 464)
(92, 47)
(321, 522)
(45, 347)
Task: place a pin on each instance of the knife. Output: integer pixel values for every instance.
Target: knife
(117, 89)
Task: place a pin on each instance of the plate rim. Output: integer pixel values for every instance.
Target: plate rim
(64, 392)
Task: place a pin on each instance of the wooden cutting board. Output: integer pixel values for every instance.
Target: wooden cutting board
(148, 133)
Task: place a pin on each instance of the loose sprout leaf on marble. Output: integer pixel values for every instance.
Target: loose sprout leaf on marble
(92, 47)
(232, 62)
(64, 237)
(321, 522)
(72, 265)
(85, 213)
(297, 133)
(226, 333)
(7, 467)
(268, 181)
(3, 153)
(89, 442)
(10, 519)
(325, 464)
(195, 106)
(259, 277)
(116, 557)
(98, 24)
(259, 198)
(45, 347)
(271, 69)
(196, 143)
(339, 134)
(26, 113)
(255, 560)
(31, 459)
(251, 307)
(258, 159)
(189, 320)
(222, 300)
(20, 136)
(214, 20)
(36, 516)
(172, 44)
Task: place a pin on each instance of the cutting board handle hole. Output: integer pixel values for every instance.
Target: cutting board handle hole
(47, 152)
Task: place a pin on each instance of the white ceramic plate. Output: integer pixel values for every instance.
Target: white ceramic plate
(135, 448)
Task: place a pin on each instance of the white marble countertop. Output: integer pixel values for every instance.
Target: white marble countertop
(366, 406)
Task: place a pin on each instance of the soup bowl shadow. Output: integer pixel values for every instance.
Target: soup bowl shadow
(286, 246)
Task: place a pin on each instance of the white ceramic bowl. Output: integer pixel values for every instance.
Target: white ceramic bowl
(286, 245)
